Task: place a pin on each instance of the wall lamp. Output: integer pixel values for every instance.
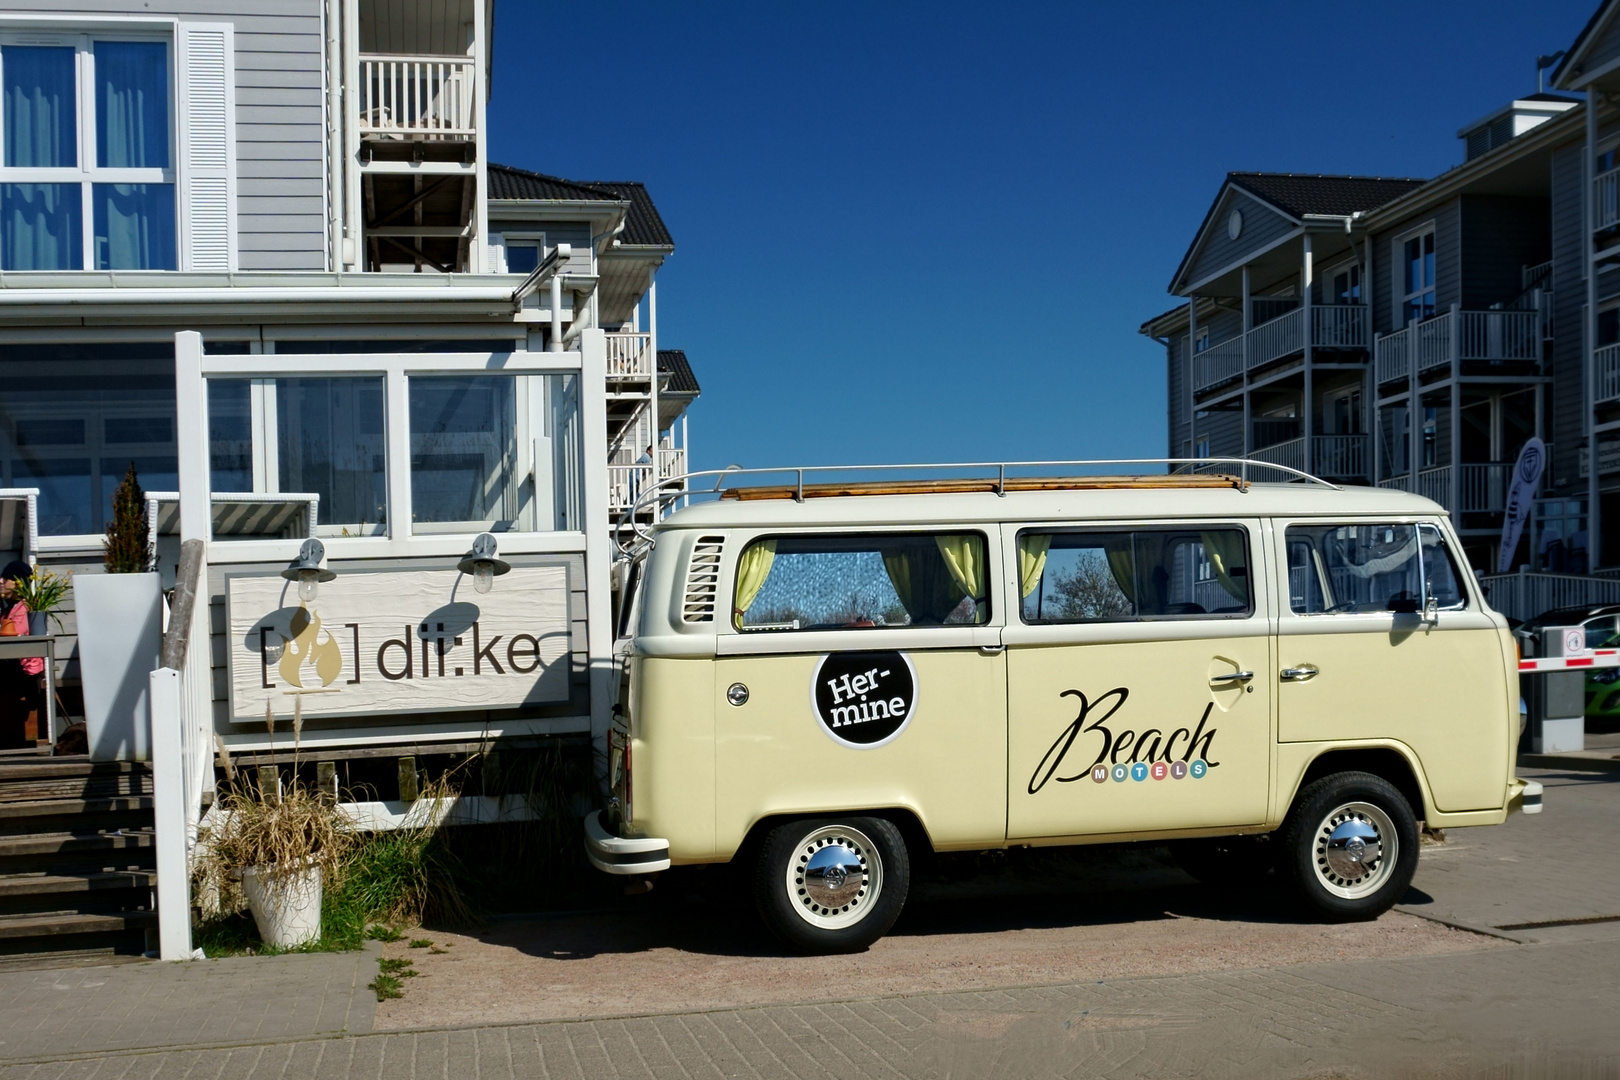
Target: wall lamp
(482, 564)
(308, 571)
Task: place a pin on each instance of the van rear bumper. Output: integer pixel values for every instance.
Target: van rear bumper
(1524, 796)
(617, 855)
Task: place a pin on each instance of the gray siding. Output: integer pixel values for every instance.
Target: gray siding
(1604, 48)
(1388, 278)
(280, 142)
(1262, 226)
(1176, 385)
(1569, 286)
(1500, 236)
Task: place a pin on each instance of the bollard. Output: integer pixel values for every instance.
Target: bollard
(1558, 698)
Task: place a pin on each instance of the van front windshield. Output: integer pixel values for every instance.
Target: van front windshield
(856, 582)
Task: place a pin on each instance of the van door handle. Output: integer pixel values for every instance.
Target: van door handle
(991, 650)
(1303, 673)
(1232, 676)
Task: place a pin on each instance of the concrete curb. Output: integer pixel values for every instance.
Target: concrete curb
(1457, 924)
(1570, 762)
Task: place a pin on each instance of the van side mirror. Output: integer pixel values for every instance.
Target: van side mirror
(1431, 606)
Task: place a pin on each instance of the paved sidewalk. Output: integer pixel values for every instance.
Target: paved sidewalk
(1433, 1016)
(69, 1011)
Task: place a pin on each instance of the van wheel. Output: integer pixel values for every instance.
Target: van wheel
(1351, 846)
(832, 885)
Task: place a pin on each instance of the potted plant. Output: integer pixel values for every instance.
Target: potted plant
(44, 592)
(120, 629)
(279, 843)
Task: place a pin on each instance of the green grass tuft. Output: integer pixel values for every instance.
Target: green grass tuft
(398, 968)
(385, 987)
(380, 932)
(421, 943)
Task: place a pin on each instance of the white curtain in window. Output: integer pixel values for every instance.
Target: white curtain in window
(40, 227)
(41, 127)
(134, 226)
(132, 104)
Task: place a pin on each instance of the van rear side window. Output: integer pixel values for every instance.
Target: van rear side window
(1069, 577)
(858, 582)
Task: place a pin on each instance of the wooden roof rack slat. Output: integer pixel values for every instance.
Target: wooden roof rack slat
(989, 485)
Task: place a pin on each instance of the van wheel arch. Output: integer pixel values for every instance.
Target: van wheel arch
(911, 830)
(1382, 762)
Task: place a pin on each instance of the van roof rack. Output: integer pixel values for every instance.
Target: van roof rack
(631, 534)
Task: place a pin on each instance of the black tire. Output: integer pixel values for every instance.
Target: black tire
(1224, 860)
(859, 874)
(1334, 824)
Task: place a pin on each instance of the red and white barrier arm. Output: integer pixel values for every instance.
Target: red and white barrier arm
(1597, 658)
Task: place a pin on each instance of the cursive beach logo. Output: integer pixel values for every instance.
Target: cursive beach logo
(1124, 754)
(864, 699)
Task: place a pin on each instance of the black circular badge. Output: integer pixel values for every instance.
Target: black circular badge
(864, 699)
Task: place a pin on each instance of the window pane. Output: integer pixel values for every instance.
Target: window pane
(464, 454)
(132, 104)
(1440, 574)
(41, 120)
(134, 226)
(230, 436)
(330, 441)
(65, 507)
(1147, 573)
(522, 258)
(862, 582)
(1353, 568)
(41, 227)
(1414, 266)
(160, 473)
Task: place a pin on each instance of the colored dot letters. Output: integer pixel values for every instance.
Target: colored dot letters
(1141, 770)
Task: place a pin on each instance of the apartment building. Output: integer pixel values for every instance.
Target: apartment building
(1416, 332)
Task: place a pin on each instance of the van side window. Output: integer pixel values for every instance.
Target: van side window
(1069, 577)
(861, 582)
(1349, 569)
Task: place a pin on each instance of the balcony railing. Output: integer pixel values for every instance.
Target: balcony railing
(1339, 455)
(1483, 485)
(416, 96)
(1333, 326)
(1491, 337)
(1606, 200)
(629, 356)
(1402, 482)
(1290, 453)
(625, 483)
(1606, 362)
(671, 462)
(1435, 484)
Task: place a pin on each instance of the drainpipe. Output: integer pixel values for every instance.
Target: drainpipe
(1307, 277)
(556, 313)
(332, 16)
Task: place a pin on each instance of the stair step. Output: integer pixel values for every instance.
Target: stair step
(51, 768)
(73, 843)
(59, 923)
(91, 881)
(126, 948)
(43, 808)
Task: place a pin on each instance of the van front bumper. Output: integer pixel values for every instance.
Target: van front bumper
(617, 855)
(1524, 796)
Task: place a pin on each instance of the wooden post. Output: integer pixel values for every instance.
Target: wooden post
(269, 783)
(326, 781)
(409, 780)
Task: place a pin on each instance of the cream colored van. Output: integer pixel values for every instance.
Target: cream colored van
(827, 680)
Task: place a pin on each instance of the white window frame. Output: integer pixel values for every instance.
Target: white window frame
(87, 174)
(1330, 401)
(1398, 293)
(506, 237)
(1330, 294)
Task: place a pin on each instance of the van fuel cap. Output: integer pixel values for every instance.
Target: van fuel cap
(737, 694)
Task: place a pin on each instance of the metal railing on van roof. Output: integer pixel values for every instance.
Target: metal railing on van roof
(631, 533)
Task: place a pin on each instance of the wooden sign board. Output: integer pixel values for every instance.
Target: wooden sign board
(388, 642)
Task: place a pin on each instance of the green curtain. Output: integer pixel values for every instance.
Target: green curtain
(1031, 561)
(964, 558)
(1122, 561)
(1224, 550)
(752, 569)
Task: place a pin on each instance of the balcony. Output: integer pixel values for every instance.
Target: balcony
(1606, 370)
(1333, 326)
(417, 97)
(1468, 337)
(1342, 456)
(629, 356)
(1483, 486)
(1606, 200)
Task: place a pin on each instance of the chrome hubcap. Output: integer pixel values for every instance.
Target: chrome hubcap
(1356, 850)
(834, 877)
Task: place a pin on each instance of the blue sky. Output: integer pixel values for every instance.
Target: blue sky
(929, 232)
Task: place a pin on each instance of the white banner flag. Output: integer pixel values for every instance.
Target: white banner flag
(1521, 495)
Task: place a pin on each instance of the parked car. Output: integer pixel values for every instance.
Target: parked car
(826, 680)
(1602, 622)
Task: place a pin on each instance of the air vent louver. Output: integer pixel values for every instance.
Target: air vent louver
(703, 580)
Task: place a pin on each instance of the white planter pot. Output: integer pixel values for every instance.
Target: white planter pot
(287, 909)
(120, 626)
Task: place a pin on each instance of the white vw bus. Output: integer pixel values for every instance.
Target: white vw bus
(826, 679)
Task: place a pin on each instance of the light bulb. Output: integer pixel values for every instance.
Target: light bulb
(309, 584)
(483, 576)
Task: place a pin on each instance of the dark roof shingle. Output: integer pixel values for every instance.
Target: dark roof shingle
(643, 227)
(681, 379)
(1297, 194)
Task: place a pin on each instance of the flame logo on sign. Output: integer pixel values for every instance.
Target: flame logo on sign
(312, 647)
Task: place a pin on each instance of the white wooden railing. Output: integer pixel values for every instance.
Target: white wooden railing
(403, 96)
(1290, 453)
(1333, 326)
(181, 696)
(1539, 274)
(1435, 484)
(625, 484)
(671, 462)
(1392, 356)
(1606, 200)
(1402, 482)
(1433, 341)
(1498, 335)
(1606, 364)
(1341, 456)
(1525, 595)
(629, 356)
(1472, 336)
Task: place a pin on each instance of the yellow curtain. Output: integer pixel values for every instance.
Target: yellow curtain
(899, 568)
(1123, 564)
(964, 557)
(1031, 561)
(1224, 550)
(752, 569)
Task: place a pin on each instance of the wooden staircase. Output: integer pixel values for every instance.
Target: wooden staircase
(77, 862)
